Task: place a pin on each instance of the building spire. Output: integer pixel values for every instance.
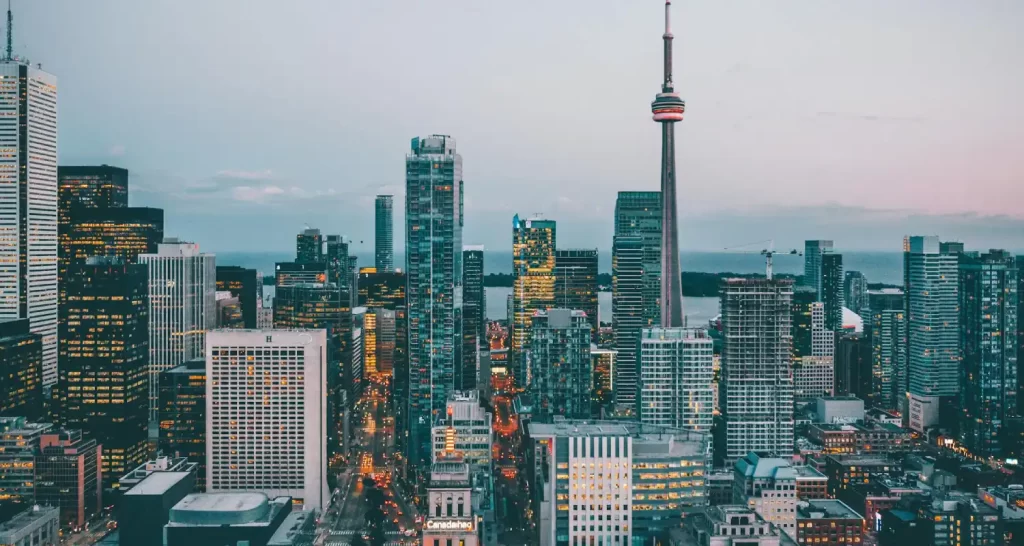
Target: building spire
(668, 45)
(10, 32)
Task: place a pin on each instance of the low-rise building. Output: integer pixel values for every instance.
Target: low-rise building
(813, 377)
(298, 529)
(720, 488)
(839, 409)
(880, 494)
(834, 439)
(143, 510)
(36, 526)
(19, 440)
(159, 464)
(729, 525)
(465, 429)
(884, 439)
(225, 518)
(767, 485)
(845, 470)
(450, 517)
(69, 474)
(829, 523)
(875, 415)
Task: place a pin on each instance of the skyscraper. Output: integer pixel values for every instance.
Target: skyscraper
(813, 251)
(386, 291)
(86, 187)
(309, 246)
(853, 366)
(804, 298)
(182, 308)
(384, 240)
(244, 284)
(932, 329)
(636, 281)
(668, 109)
(887, 329)
(104, 357)
(832, 290)
(675, 378)
(559, 358)
(268, 435)
(756, 378)
(988, 349)
(433, 254)
(533, 289)
(182, 411)
(474, 315)
(28, 202)
(21, 376)
(341, 264)
(576, 283)
(124, 232)
(855, 292)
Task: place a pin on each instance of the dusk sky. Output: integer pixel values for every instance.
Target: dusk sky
(856, 121)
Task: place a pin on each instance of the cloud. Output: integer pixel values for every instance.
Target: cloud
(117, 150)
(255, 195)
(231, 174)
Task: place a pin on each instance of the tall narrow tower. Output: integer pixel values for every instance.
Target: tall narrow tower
(668, 108)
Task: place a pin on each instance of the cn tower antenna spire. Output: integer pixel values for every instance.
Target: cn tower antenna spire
(10, 32)
(668, 45)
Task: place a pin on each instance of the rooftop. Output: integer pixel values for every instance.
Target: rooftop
(296, 525)
(28, 519)
(157, 483)
(825, 509)
(218, 509)
(647, 439)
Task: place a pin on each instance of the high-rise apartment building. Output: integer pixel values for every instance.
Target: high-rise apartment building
(813, 251)
(104, 360)
(814, 373)
(576, 283)
(988, 349)
(932, 328)
(533, 288)
(832, 288)
(559, 360)
(853, 370)
(309, 246)
(268, 435)
(855, 292)
(887, 329)
(636, 281)
(341, 265)
(86, 187)
(244, 284)
(474, 316)
(384, 238)
(632, 495)
(182, 308)
(28, 202)
(182, 412)
(674, 386)
(21, 375)
(804, 299)
(433, 254)
(756, 385)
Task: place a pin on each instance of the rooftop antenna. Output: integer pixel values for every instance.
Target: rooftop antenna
(10, 32)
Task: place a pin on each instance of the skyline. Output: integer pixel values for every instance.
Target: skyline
(780, 122)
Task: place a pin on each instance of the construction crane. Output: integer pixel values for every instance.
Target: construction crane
(768, 253)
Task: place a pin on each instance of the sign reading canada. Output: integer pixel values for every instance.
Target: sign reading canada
(449, 525)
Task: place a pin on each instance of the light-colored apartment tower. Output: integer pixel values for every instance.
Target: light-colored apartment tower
(676, 372)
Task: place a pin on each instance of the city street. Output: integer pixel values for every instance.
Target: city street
(372, 457)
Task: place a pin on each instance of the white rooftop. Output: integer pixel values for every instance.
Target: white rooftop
(157, 483)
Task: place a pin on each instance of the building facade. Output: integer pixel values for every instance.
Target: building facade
(756, 385)
(125, 232)
(182, 308)
(813, 251)
(533, 272)
(988, 349)
(104, 360)
(21, 376)
(309, 246)
(38, 525)
(182, 414)
(384, 229)
(855, 293)
(636, 280)
(474, 315)
(270, 436)
(559, 361)
(932, 329)
(19, 440)
(576, 283)
(86, 187)
(465, 430)
(243, 284)
(433, 254)
(69, 475)
(674, 386)
(28, 203)
(832, 290)
(888, 332)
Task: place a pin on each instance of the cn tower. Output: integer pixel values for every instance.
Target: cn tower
(668, 109)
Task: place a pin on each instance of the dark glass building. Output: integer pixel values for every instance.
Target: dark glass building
(886, 327)
(104, 359)
(832, 290)
(21, 372)
(182, 415)
(804, 298)
(87, 187)
(474, 316)
(853, 367)
(309, 246)
(243, 284)
(68, 475)
(384, 239)
(576, 283)
(143, 510)
(988, 349)
(121, 232)
(341, 266)
(292, 273)
(325, 306)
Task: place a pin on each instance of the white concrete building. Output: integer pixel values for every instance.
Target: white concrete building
(28, 203)
(450, 518)
(813, 377)
(182, 308)
(465, 430)
(675, 376)
(266, 413)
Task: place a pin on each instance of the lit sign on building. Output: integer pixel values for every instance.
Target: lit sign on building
(449, 525)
